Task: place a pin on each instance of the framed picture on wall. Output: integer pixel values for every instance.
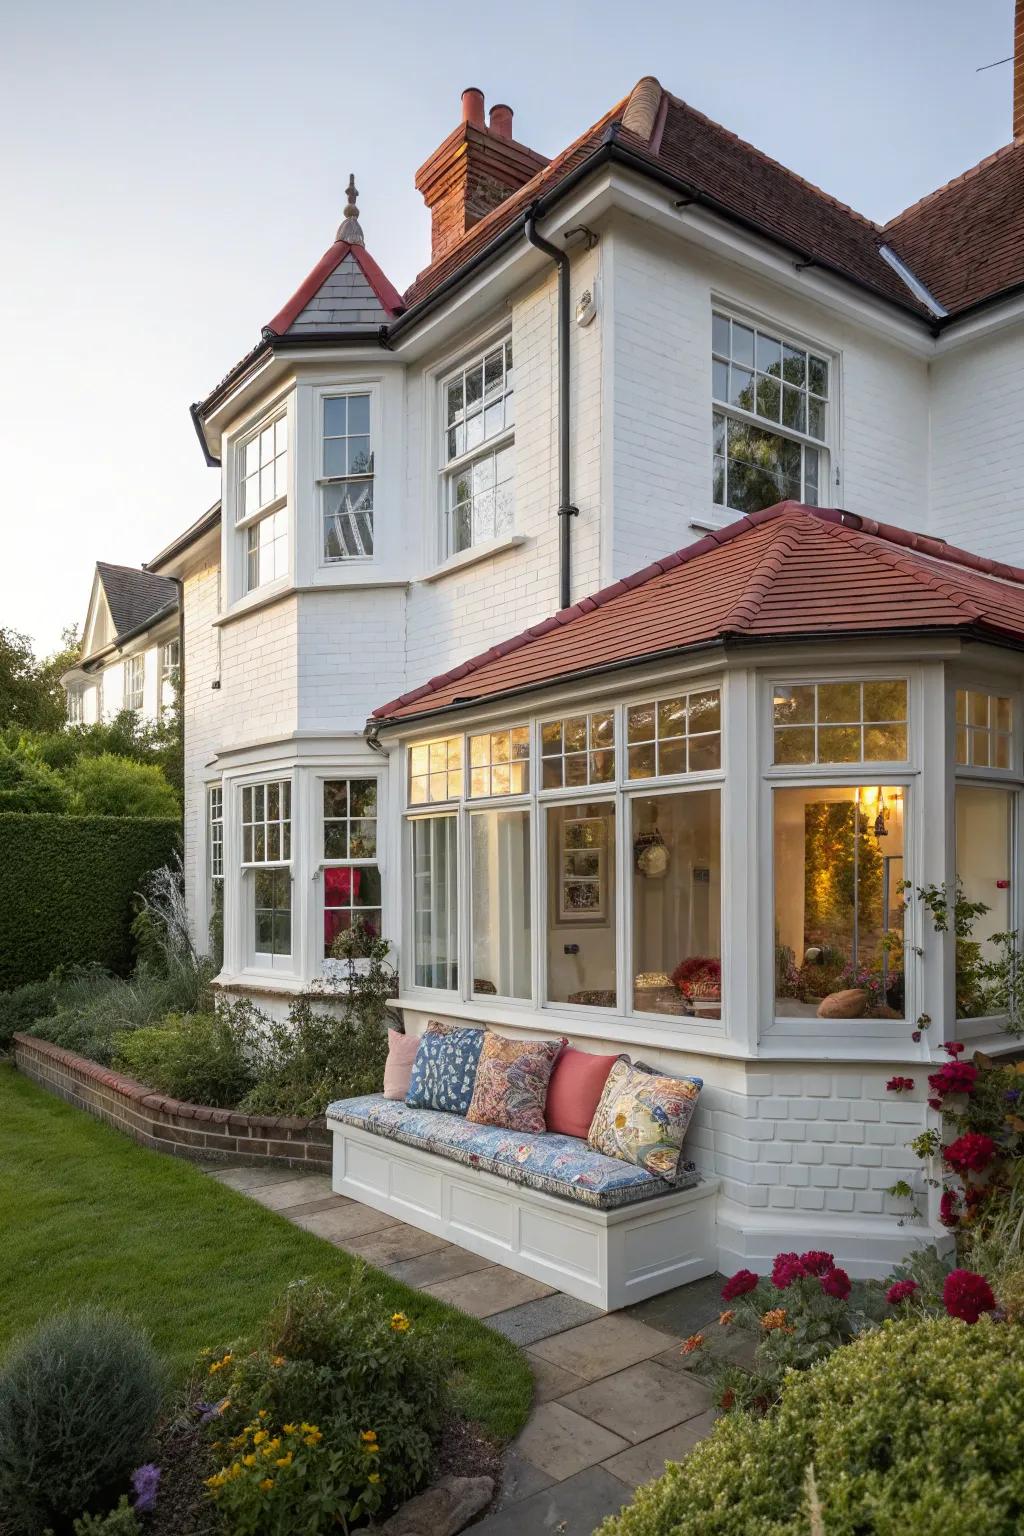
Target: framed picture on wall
(583, 870)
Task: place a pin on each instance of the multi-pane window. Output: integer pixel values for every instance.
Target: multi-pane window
(267, 822)
(476, 450)
(134, 683)
(499, 762)
(578, 750)
(351, 873)
(215, 826)
(75, 706)
(435, 902)
(984, 726)
(848, 722)
(266, 549)
(500, 917)
(346, 479)
(170, 667)
(263, 487)
(771, 410)
(272, 913)
(682, 734)
(435, 771)
(580, 848)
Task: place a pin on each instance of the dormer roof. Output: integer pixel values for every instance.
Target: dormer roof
(135, 598)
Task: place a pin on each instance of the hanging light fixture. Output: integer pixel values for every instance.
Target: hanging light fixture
(651, 853)
(881, 830)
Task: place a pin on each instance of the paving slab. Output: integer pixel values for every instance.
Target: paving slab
(685, 1310)
(390, 1244)
(572, 1508)
(606, 1345)
(643, 1462)
(641, 1401)
(248, 1179)
(550, 1381)
(562, 1443)
(541, 1318)
(297, 1191)
(446, 1263)
(520, 1479)
(342, 1222)
(309, 1207)
(487, 1291)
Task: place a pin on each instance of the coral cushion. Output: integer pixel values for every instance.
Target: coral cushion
(574, 1090)
(512, 1083)
(642, 1118)
(398, 1067)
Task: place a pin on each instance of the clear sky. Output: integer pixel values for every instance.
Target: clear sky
(171, 171)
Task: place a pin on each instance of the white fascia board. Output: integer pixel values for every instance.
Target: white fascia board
(987, 322)
(196, 554)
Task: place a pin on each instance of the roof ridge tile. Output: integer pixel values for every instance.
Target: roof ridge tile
(875, 544)
(747, 605)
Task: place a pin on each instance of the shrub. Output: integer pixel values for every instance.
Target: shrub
(117, 786)
(93, 1009)
(122, 1521)
(205, 1058)
(79, 1398)
(912, 1429)
(339, 1410)
(23, 1005)
(28, 785)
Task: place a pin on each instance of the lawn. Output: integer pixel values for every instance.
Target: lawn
(86, 1215)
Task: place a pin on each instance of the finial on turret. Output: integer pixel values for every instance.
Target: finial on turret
(349, 228)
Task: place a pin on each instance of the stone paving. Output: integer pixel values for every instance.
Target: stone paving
(613, 1400)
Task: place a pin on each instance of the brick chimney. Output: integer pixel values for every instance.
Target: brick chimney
(477, 167)
(1018, 72)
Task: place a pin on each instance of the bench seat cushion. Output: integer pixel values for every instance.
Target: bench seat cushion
(557, 1165)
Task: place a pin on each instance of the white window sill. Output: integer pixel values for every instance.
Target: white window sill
(473, 555)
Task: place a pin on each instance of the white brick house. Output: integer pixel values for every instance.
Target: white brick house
(394, 503)
(131, 648)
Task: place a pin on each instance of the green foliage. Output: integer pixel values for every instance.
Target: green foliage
(117, 786)
(21, 1007)
(31, 695)
(349, 1389)
(94, 1011)
(78, 1403)
(66, 889)
(28, 785)
(204, 1058)
(986, 984)
(122, 1521)
(912, 1429)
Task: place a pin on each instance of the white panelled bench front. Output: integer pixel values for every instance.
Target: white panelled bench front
(615, 1236)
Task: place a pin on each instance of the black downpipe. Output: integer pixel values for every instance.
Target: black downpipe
(566, 510)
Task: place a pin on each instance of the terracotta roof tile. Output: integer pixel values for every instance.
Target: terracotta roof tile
(790, 571)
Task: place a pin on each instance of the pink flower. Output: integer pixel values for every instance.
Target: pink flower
(954, 1077)
(971, 1152)
(967, 1295)
(899, 1085)
(900, 1291)
(934, 1103)
(954, 1048)
(836, 1283)
(739, 1284)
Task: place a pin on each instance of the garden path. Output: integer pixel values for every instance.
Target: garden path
(613, 1400)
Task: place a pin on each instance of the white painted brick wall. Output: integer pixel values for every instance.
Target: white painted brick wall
(203, 720)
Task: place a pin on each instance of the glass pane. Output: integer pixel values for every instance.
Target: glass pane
(980, 749)
(1000, 751)
(794, 744)
(364, 797)
(640, 722)
(366, 886)
(453, 396)
(984, 821)
(720, 334)
(742, 344)
(435, 902)
(500, 917)
(705, 753)
(474, 385)
(885, 700)
(769, 354)
(817, 376)
(838, 899)
(359, 413)
(741, 388)
(359, 460)
(575, 733)
(677, 904)
(672, 755)
(602, 730)
(581, 908)
(672, 717)
(885, 744)
(704, 711)
(839, 702)
(719, 380)
(641, 762)
(336, 840)
(816, 419)
(793, 412)
(839, 744)
(768, 398)
(794, 365)
(1001, 714)
(335, 417)
(978, 708)
(794, 705)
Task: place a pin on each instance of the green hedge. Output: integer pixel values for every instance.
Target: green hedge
(66, 888)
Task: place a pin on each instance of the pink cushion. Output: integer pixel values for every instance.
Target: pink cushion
(398, 1069)
(574, 1091)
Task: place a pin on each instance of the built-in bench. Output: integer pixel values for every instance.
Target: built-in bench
(549, 1206)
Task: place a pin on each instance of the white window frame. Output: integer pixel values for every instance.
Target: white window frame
(215, 831)
(450, 467)
(827, 445)
(168, 673)
(371, 392)
(75, 704)
(135, 683)
(323, 861)
(255, 959)
(246, 523)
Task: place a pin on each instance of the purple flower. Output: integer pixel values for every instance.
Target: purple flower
(145, 1482)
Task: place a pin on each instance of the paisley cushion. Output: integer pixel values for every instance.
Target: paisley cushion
(642, 1118)
(444, 1071)
(512, 1082)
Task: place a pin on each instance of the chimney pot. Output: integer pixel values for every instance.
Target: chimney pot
(501, 120)
(473, 106)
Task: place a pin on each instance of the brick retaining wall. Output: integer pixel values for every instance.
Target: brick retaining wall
(168, 1125)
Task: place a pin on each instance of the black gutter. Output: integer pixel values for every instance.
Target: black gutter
(88, 663)
(194, 410)
(566, 510)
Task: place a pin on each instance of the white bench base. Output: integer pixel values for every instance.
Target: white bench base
(609, 1258)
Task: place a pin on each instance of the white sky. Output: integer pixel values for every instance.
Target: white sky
(171, 172)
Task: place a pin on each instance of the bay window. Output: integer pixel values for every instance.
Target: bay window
(676, 842)
(351, 874)
(266, 823)
(346, 477)
(477, 450)
(675, 735)
(261, 502)
(501, 918)
(578, 750)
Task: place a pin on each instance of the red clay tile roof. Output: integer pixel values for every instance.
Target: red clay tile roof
(965, 241)
(788, 572)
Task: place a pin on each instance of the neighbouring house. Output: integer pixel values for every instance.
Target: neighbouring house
(131, 648)
(651, 801)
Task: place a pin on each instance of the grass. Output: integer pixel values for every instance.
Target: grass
(86, 1215)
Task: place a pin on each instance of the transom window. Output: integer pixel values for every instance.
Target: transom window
(984, 725)
(351, 873)
(682, 734)
(499, 762)
(134, 683)
(215, 823)
(347, 478)
(476, 450)
(578, 750)
(264, 468)
(435, 771)
(760, 377)
(848, 722)
(267, 822)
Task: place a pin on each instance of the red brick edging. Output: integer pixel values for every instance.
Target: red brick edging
(168, 1125)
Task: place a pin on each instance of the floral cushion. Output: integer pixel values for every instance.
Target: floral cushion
(642, 1118)
(555, 1165)
(444, 1071)
(512, 1082)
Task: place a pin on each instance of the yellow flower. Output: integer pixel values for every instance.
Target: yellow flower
(308, 1429)
(369, 1436)
(776, 1318)
(250, 1460)
(399, 1322)
(288, 1429)
(220, 1365)
(278, 1360)
(259, 1437)
(372, 1450)
(266, 1485)
(264, 1413)
(216, 1481)
(374, 1477)
(312, 1439)
(312, 1433)
(284, 1461)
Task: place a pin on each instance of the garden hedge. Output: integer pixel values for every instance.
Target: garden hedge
(66, 888)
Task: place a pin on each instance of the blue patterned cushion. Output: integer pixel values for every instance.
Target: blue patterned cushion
(557, 1165)
(444, 1072)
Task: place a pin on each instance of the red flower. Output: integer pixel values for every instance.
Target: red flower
(899, 1085)
(954, 1049)
(949, 1208)
(815, 1262)
(971, 1152)
(727, 1399)
(900, 1291)
(739, 1284)
(953, 1077)
(934, 1103)
(967, 1295)
(836, 1283)
(786, 1269)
